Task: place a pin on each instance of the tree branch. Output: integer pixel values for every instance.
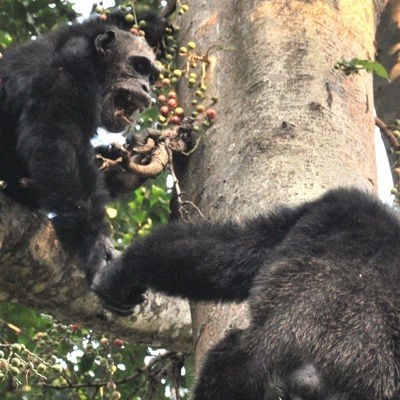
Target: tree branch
(37, 273)
(387, 131)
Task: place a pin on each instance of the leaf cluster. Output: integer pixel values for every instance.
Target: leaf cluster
(58, 361)
(355, 65)
(136, 214)
(48, 360)
(23, 19)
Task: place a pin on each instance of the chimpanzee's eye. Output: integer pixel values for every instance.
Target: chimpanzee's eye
(154, 76)
(142, 65)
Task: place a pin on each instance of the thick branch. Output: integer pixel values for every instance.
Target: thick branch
(149, 159)
(37, 273)
(159, 160)
(127, 167)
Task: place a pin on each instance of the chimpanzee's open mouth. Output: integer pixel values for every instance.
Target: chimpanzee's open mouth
(127, 104)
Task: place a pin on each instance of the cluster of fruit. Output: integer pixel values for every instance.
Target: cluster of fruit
(25, 368)
(17, 363)
(167, 111)
(191, 73)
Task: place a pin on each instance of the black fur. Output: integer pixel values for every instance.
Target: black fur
(154, 28)
(322, 280)
(54, 93)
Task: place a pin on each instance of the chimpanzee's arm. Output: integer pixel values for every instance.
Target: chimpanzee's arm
(199, 262)
(66, 181)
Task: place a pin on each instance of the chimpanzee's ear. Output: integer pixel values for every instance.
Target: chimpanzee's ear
(104, 42)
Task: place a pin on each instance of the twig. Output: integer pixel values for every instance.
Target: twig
(147, 369)
(394, 143)
(178, 191)
(147, 160)
(107, 163)
(190, 203)
(196, 145)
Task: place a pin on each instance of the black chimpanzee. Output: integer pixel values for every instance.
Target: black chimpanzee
(322, 280)
(54, 94)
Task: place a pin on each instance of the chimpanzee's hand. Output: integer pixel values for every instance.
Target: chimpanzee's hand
(99, 256)
(85, 236)
(116, 293)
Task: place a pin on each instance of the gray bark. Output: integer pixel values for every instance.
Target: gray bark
(289, 125)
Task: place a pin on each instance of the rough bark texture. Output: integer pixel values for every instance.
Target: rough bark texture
(38, 274)
(289, 126)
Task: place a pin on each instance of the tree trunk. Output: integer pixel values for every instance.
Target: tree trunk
(38, 274)
(289, 126)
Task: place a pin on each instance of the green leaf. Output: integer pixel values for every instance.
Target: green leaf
(86, 362)
(380, 70)
(371, 66)
(5, 39)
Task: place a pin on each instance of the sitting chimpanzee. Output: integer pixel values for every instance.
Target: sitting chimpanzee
(54, 94)
(322, 280)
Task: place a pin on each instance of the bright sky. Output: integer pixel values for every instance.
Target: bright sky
(84, 6)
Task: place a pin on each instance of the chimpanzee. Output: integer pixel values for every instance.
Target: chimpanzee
(322, 280)
(54, 93)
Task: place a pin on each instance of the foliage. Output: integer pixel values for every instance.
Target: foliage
(135, 215)
(355, 65)
(22, 19)
(48, 360)
(42, 359)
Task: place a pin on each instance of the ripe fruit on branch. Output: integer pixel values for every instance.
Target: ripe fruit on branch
(177, 73)
(164, 110)
(119, 342)
(179, 111)
(172, 103)
(104, 341)
(200, 108)
(129, 18)
(176, 120)
(211, 113)
(75, 327)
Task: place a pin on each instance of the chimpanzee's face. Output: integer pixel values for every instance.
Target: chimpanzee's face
(131, 71)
